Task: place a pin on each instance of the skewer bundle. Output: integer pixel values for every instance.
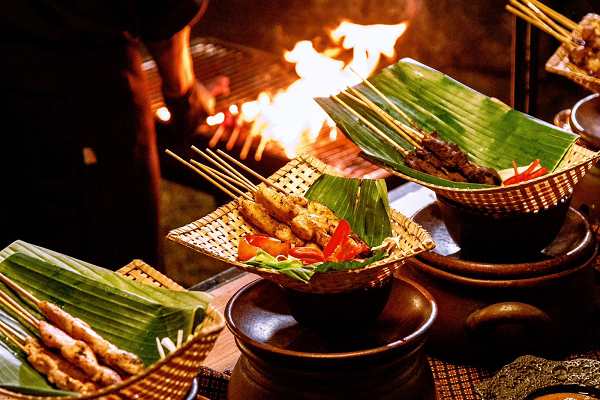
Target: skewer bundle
(568, 32)
(360, 118)
(218, 234)
(70, 363)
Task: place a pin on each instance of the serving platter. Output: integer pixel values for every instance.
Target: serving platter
(171, 377)
(218, 234)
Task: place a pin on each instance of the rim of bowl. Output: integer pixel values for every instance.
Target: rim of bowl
(423, 328)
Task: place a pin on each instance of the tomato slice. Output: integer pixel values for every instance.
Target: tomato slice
(251, 243)
(245, 250)
(308, 255)
(347, 250)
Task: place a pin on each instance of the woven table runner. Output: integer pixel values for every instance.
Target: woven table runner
(453, 382)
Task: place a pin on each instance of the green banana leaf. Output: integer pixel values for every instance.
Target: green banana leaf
(129, 314)
(363, 203)
(491, 133)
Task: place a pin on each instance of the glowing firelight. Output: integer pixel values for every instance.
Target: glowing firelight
(289, 114)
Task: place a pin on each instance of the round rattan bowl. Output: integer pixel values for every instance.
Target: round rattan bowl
(536, 194)
(217, 235)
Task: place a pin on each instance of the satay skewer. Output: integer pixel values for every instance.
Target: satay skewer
(400, 128)
(391, 104)
(108, 352)
(205, 176)
(536, 21)
(370, 125)
(58, 371)
(566, 22)
(249, 170)
(218, 162)
(223, 179)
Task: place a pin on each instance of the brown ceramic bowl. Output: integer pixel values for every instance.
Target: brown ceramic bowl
(502, 237)
(585, 120)
(335, 312)
(282, 359)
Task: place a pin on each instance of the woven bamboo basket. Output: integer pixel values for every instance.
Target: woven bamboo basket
(529, 196)
(560, 64)
(217, 235)
(169, 378)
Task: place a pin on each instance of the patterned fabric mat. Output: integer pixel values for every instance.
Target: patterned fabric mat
(453, 382)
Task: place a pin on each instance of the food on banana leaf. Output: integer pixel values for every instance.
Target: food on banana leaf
(304, 234)
(447, 161)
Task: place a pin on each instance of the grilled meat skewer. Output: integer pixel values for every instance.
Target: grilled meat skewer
(78, 353)
(59, 371)
(108, 353)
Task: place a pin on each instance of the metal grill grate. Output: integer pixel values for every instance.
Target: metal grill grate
(251, 72)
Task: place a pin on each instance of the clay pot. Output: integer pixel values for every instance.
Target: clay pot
(585, 120)
(489, 314)
(502, 237)
(335, 312)
(282, 359)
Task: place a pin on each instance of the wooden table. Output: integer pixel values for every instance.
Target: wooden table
(225, 353)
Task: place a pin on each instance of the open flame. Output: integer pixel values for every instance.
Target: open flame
(291, 114)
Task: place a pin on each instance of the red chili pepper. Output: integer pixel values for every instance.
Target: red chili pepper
(538, 173)
(531, 168)
(516, 170)
(341, 231)
(308, 255)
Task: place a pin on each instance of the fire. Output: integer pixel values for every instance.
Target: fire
(291, 114)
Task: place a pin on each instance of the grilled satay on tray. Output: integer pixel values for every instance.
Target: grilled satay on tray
(306, 224)
(426, 127)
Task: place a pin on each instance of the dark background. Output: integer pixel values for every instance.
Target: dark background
(467, 40)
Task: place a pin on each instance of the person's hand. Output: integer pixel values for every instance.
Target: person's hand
(190, 110)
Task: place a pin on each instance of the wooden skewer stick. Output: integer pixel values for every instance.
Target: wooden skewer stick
(370, 125)
(547, 19)
(225, 167)
(169, 152)
(230, 178)
(538, 18)
(387, 118)
(222, 167)
(538, 23)
(213, 173)
(10, 283)
(21, 312)
(12, 335)
(567, 23)
(245, 168)
(394, 107)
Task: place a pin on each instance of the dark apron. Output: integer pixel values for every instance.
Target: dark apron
(104, 208)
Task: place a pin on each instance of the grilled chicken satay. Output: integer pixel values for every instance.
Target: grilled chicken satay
(58, 370)
(312, 227)
(78, 353)
(260, 217)
(108, 353)
(284, 207)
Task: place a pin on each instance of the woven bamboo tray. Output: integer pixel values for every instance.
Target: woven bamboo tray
(560, 64)
(217, 235)
(529, 196)
(169, 378)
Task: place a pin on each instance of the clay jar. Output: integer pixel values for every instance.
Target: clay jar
(502, 237)
(585, 121)
(489, 314)
(282, 359)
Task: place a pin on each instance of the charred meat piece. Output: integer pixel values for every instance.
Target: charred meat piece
(281, 206)
(110, 354)
(258, 216)
(59, 371)
(78, 353)
(447, 161)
